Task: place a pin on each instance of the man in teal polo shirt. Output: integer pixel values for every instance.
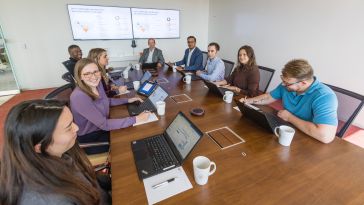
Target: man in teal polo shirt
(308, 104)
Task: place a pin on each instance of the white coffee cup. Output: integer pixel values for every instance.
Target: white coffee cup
(285, 134)
(202, 169)
(136, 84)
(137, 66)
(174, 68)
(228, 97)
(126, 74)
(161, 107)
(187, 79)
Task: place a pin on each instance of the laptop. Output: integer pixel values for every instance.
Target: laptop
(160, 153)
(159, 94)
(147, 88)
(190, 72)
(117, 72)
(149, 65)
(217, 90)
(146, 76)
(265, 119)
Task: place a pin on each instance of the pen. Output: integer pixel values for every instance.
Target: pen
(163, 183)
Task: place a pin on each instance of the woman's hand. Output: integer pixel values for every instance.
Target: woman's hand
(122, 89)
(142, 117)
(131, 100)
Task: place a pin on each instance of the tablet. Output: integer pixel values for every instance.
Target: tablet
(147, 88)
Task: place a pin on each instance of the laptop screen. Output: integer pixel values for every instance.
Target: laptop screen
(183, 135)
(158, 95)
(146, 76)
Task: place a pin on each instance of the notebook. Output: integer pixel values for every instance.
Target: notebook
(149, 104)
(168, 150)
(265, 119)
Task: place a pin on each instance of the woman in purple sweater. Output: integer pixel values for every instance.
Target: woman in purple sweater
(91, 107)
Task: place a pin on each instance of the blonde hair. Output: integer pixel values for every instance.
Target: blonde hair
(299, 69)
(95, 55)
(80, 83)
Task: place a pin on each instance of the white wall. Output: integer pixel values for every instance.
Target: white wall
(329, 34)
(38, 33)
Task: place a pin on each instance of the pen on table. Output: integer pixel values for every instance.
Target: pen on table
(163, 183)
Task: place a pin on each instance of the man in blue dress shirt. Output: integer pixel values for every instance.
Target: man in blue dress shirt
(308, 104)
(215, 67)
(192, 60)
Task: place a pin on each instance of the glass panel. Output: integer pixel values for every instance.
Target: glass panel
(8, 83)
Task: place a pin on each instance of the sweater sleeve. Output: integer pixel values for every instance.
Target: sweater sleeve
(253, 84)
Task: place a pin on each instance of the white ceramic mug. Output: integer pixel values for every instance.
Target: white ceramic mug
(126, 74)
(228, 97)
(202, 169)
(136, 84)
(174, 68)
(161, 107)
(187, 79)
(285, 134)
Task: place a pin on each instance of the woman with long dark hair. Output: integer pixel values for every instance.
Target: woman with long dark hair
(41, 163)
(245, 77)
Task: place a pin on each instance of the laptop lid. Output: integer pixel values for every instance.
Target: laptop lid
(159, 94)
(147, 88)
(182, 136)
(146, 76)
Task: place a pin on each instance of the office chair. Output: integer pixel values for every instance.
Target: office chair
(204, 59)
(70, 66)
(69, 78)
(350, 104)
(229, 65)
(63, 93)
(266, 75)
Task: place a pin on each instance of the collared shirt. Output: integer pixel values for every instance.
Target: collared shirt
(215, 70)
(150, 56)
(189, 56)
(318, 104)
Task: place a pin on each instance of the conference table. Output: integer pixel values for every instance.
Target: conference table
(258, 171)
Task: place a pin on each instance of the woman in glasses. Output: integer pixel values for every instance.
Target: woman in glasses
(91, 107)
(245, 77)
(41, 163)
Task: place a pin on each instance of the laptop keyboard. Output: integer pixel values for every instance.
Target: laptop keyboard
(129, 85)
(159, 152)
(274, 120)
(146, 105)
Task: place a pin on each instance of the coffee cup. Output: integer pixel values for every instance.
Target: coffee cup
(137, 66)
(136, 84)
(126, 74)
(202, 169)
(187, 79)
(161, 107)
(174, 68)
(228, 97)
(285, 134)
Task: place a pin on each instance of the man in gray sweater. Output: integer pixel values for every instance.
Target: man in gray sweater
(152, 54)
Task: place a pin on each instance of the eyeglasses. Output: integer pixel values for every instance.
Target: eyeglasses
(285, 84)
(90, 74)
(190, 41)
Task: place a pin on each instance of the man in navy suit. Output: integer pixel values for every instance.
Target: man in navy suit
(192, 60)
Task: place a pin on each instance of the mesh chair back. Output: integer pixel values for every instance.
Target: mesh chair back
(70, 66)
(204, 59)
(349, 106)
(266, 75)
(62, 93)
(229, 65)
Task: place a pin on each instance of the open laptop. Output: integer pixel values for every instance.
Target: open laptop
(116, 73)
(265, 119)
(217, 90)
(147, 88)
(149, 65)
(159, 94)
(168, 150)
(146, 76)
(190, 72)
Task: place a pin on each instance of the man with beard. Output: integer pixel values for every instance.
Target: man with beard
(308, 104)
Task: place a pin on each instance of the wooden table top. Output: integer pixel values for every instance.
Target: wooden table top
(258, 171)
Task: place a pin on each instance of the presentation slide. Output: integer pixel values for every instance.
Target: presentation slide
(100, 22)
(155, 23)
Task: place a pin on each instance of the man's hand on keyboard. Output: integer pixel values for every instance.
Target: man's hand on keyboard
(284, 114)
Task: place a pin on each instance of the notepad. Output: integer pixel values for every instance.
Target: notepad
(180, 184)
(152, 117)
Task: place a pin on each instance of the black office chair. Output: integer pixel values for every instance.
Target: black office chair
(70, 66)
(204, 59)
(350, 104)
(266, 75)
(229, 65)
(68, 77)
(62, 93)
